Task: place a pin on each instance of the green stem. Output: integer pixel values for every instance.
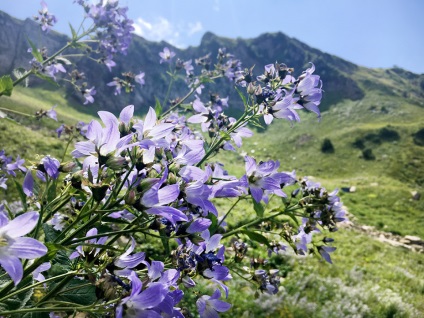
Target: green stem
(36, 284)
(56, 289)
(66, 148)
(15, 111)
(169, 88)
(260, 220)
(228, 212)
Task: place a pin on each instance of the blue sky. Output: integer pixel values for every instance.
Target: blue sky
(373, 33)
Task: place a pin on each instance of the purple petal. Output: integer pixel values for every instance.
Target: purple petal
(257, 193)
(161, 131)
(213, 242)
(21, 225)
(136, 284)
(83, 148)
(150, 120)
(155, 270)
(13, 266)
(27, 248)
(218, 272)
(219, 305)
(168, 194)
(250, 165)
(199, 225)
(190, 173)
(130, 261)
(169, 213)
(28, 185)
(150, 297)
(126, 114)
(94, 131)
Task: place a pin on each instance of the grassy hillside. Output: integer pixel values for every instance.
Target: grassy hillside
(368, 278)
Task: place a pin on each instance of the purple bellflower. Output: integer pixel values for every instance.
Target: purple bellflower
(141, 303)
(210, 306)
(166, 55)
(13, 246)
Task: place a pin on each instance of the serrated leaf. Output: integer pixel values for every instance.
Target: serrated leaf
(22, 195)
(20, 300)
(259, 208)
(6, 85)
(85, 295)
(50, 234)
(35, 52)
(254, 236)
(74, 33)
(158, 107)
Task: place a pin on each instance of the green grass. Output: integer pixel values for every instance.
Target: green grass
(368, 278)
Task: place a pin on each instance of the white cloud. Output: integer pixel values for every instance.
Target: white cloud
(216, 6)
(162, 29)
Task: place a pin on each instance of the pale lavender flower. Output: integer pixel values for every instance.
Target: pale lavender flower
(44, 18)
(310, 90)
(53, 69)
(51, 166)
(140, 78)
(127, 261)
(117, 83)
(52, 113)
(80, 251)
(166, 55)
(109, 64)
(28, 185)
(13, 246)
(60, 130)
(210, 306)
(88, 95)
(324, 251)
(141, 303)
(42, 268)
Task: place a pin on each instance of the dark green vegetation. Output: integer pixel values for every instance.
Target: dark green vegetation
(370, 114)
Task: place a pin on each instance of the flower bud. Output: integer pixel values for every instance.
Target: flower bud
(130, 197)
(76, 179)
(251, 89)
(99, 191)
(67, 167)
(116, 163)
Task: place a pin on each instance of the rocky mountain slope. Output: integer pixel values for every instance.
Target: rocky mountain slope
(342, 79)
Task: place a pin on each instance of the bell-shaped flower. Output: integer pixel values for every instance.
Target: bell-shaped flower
(127, 261)
(156, 200)
(141, 303)
(210, 306)
(13, 246)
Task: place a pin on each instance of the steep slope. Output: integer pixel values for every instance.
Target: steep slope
(342, 79)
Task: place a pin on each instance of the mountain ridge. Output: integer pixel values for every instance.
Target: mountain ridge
(342, 79)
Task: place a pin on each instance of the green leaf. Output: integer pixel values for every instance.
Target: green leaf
(243, 98)
(6, 85)
(254, 236)
(35, 52)
(259, 208)
(74, 33)
(20, 300)
(214, 226)
(50, 234)
(158, 107)
(46, 78)
(78, 292)
(225, 135)
(22, 195)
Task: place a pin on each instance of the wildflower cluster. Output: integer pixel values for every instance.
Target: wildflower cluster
(132, 222)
